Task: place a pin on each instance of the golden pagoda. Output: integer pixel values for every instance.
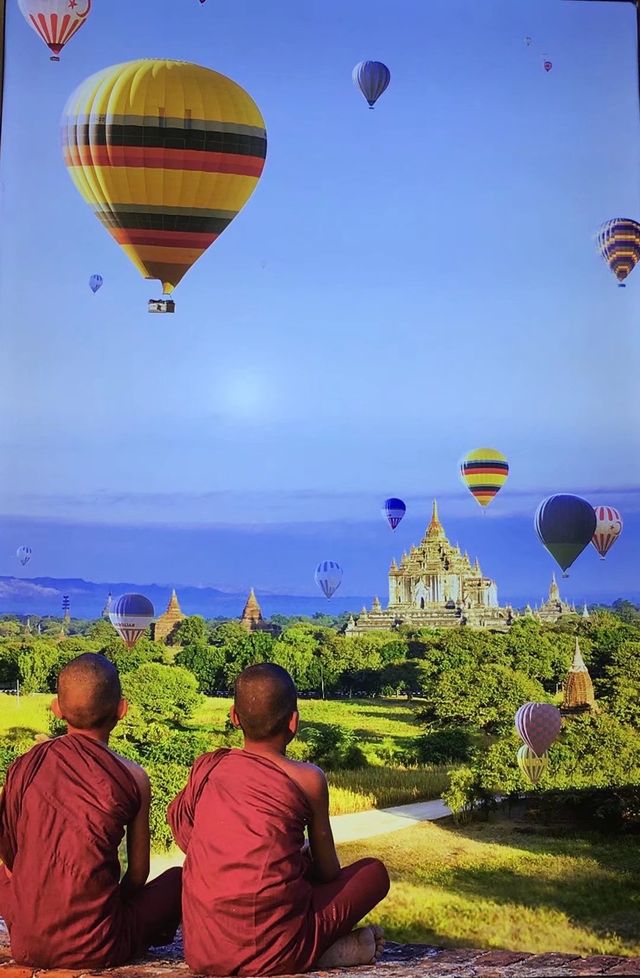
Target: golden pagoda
(578, 688)
(251, 618)
(436, 586)
(164, 626)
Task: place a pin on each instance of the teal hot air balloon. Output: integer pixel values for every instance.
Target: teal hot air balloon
(372, 78)
(565, 525)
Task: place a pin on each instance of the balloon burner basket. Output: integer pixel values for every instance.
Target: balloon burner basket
(162, 305)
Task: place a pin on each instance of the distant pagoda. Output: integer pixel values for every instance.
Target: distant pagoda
(578, 688)
(107, 606)
(166, 623)
(251, 619)
(554, 607)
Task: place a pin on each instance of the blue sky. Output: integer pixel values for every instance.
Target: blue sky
(405, 284)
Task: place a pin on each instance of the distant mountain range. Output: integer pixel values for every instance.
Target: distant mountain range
(43, 596)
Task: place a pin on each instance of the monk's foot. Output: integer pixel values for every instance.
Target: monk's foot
(361, 946)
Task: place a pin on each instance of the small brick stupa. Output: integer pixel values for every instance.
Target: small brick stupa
(578, 688)
(252, 620)
(166, 623)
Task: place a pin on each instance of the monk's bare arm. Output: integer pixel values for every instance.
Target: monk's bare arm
(326, 864)
(138, 836)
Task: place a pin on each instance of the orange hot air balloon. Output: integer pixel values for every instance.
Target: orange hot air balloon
(166, 153)
(56, 21)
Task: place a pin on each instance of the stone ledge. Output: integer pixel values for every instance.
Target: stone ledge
(398, 961)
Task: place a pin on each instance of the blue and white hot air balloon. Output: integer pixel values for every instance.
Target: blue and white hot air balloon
(372, 78)
(95, 283)
(328, 577)
(394, 510)
(24, 555)
(131, 615)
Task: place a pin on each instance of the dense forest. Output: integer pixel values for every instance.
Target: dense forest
(464, 686)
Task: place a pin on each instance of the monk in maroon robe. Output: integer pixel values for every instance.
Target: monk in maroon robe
(256, 900)
(64, 810)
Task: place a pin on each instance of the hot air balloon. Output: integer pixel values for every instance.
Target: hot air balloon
(394, 510)
(131, 615)
(538, 725)
(372, 78)
(166, 154)
(56, 21)
(484, 471)
(619, 245)
(548, 65)
(608, 529)
(24, 555)
(532, 766)
(565, 525)
(527, 41)
(328, 577)
(95, 283)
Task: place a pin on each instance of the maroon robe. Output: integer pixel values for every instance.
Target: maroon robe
(248, 905)
(63, 814)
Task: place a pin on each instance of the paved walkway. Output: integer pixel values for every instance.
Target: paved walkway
(350, 828)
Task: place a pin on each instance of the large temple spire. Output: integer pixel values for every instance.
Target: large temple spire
(435, 528)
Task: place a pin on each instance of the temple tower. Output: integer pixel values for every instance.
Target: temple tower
(578, 688)
(107, 606)
(166, 623)
(251, 619)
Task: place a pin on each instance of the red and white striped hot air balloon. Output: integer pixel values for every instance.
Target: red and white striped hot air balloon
(608, 529)
(56, 21)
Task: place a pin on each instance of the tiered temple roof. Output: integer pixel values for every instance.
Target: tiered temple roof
(435, 585)
(554, 607)
(167, 622)
(251, 618)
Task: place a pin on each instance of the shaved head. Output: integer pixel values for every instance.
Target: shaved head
(265, 699)
(89, 692)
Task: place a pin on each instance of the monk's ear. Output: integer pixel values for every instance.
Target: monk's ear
(55, 708)
(233, 716)
(123, 709)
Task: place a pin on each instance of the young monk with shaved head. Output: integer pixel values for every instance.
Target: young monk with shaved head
(255, 902)
(65, 808)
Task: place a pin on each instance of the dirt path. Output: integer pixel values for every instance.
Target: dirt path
(349, 828)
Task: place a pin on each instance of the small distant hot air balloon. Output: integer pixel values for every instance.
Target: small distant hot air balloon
(328, 577)
(565, 525)
(546, 63)
(24, 555)
(619, 245)
(484, 471)
(131, 615)
(95, 283)
(394, 510)
(372, 78)
(173, 153)
(538, 725)
(56, 21)
(608, 529)
(527, 41)
(532, 766)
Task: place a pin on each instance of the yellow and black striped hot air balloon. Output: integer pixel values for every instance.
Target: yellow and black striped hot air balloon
(484, 471)
(166, 153)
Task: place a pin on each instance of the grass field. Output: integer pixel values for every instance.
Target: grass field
(381, 726)
(490, 887)
(378, 787)
(29, 712)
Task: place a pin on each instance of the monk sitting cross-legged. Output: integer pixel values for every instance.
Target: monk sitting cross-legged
(63, 813)
(255, 901)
